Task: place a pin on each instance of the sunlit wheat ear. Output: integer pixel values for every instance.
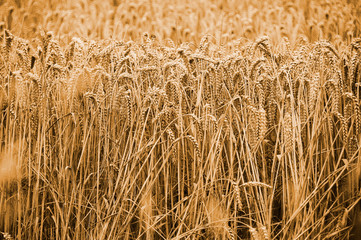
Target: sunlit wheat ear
(263, 45)
(356, 113)
(260, 94)
(172, 141)
(23, 54)
(265, 234)
(172, 92)
(185, 60)
(54, 53)
(329, 47)
(262, 123)
(253, 69)
(12, 93)
(313, 92)
(196, 146)
(256, 184)
(303, 112)
(129, 108)
(231, 234)
(75, 51)
(352, 147)
(255, 234)
(259, 41)
(272, 113)
(8, 42)
(253, 126)
(204, 44)
(343, 123)
(5, 236)
(335, 95)
(35, 95)
(238, 196)
(21, 90)
(199, 127)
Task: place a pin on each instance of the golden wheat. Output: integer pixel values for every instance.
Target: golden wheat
(126, 120)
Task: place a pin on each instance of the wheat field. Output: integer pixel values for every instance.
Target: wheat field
(201, 119)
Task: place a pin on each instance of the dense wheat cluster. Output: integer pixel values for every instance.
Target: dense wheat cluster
(227, 137)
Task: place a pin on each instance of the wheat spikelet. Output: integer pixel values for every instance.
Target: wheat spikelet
(185, 60)
(352, 147)
(348, 112)
(185, 107)
(330, 48)
(271, 113)
(54, 53)
(353, 71)
(253, 126)
(231, 234)
(356, 113)
(45, 38)
(343, 76)
(238, 195)
(12, 93)
(355, 45)
(218, 83)
(263, 45)
(129, 108)
(22, 51)
(168, 69)
(99, 93)
(335, 99)
(196, 146)
(253, 69)
(92, 51)
(264, 232)
(288, 132)
(262, 124)
(199, 128)
(260, 40)
(92, 97)
(213, 120)
(21, 90)
(163, 116)
(23, 59)
(255, 234)
(260, 94)
(71, 84)
(34, 120)
(343, 122)
(5, 236)
(303, 112)
(8, 43)
(204, 45)
(313, 92)
(256, 184)
(330, 123)
(75, 52)
(172, 141)
(172, 92)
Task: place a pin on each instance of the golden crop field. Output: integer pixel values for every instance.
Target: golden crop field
(202, 119)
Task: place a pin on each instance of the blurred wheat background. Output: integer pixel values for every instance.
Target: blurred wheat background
(200, 119)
